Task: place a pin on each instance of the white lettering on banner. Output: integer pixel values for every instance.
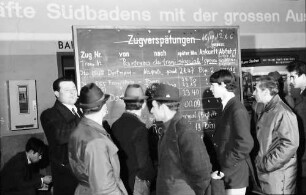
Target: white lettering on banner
(85, 12)
(13, 9)
(295, 17)
(173, 16)
(202, 16)
(234, 17)
(80, 12)
(52, 20)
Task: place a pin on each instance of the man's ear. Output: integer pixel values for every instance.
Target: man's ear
(144, 105)
(266, 92)
(223, 84)
(56, 93)
(31, 152)
(164, 107)
(154, 103)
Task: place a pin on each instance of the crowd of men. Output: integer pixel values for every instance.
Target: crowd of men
(89, 157)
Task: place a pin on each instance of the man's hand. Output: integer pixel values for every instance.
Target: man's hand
(217, 175)
(47, 179)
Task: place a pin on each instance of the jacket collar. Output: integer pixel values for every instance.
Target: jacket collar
(304, 93)
(272, 103)
(230, 102)
(131, 115)
(95, 125)
(176, 117)
(301, 97)
(66, 113)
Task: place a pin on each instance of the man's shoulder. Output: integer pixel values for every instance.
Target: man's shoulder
(127, 120)
(51, 109)
(58, 110)
(16, 160)
(182, 125)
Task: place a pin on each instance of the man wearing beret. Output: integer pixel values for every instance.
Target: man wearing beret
(92, 154)
(184, 165)
(131, 136)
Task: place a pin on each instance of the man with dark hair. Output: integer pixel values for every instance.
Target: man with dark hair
(232, 138)
(131, 136)
(183, 162)
(92, 154)
(278, 138)
(20, 175)
(58, 122)
(297, 73)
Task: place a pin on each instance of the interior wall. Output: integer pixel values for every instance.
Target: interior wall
(24, 65)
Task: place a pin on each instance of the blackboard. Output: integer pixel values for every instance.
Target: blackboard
(182, 57)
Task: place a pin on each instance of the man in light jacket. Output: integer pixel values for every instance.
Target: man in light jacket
(92, 154)
(278, 137)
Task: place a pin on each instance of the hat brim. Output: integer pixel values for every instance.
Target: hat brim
(95, 104)
(135, 98)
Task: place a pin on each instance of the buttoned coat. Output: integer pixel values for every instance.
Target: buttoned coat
(94, 160)
(300, 111)
(58, 122)
(184, 166)
(20, 178)
(233, 143)
(278, 137)
(131, 137)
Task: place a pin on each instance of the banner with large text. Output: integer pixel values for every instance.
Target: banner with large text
(260, 16)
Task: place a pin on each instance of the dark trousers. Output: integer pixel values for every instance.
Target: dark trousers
(64, 182)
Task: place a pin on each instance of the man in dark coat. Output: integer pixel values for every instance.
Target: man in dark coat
(58, 122)
(20, 175)
(297, 73)
(232, 138)
(131, 136)
(184, 166)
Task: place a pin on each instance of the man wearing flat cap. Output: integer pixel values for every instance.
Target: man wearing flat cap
(131, 136)
(92, 154)
(183, 163)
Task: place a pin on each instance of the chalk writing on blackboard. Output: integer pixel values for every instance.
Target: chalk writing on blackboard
(184, 58)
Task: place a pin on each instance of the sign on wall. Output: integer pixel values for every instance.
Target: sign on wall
(182, 57)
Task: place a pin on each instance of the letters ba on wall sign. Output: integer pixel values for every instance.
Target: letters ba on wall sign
(185, 58)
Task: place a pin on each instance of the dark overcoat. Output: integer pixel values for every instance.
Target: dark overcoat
(58, 122)
(131, 137)
(184, 166)
(300, 111)
(20, 178)
(233, 143)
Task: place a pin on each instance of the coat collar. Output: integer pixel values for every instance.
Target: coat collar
(272, 103)
(131, 115)
(230, 102)
(176, 117)
(95, 125)
(66, 113)
(304, 93)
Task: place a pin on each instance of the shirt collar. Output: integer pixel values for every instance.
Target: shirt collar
(303, 91)
(70, 107)
(225, 101)
(29, 162)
